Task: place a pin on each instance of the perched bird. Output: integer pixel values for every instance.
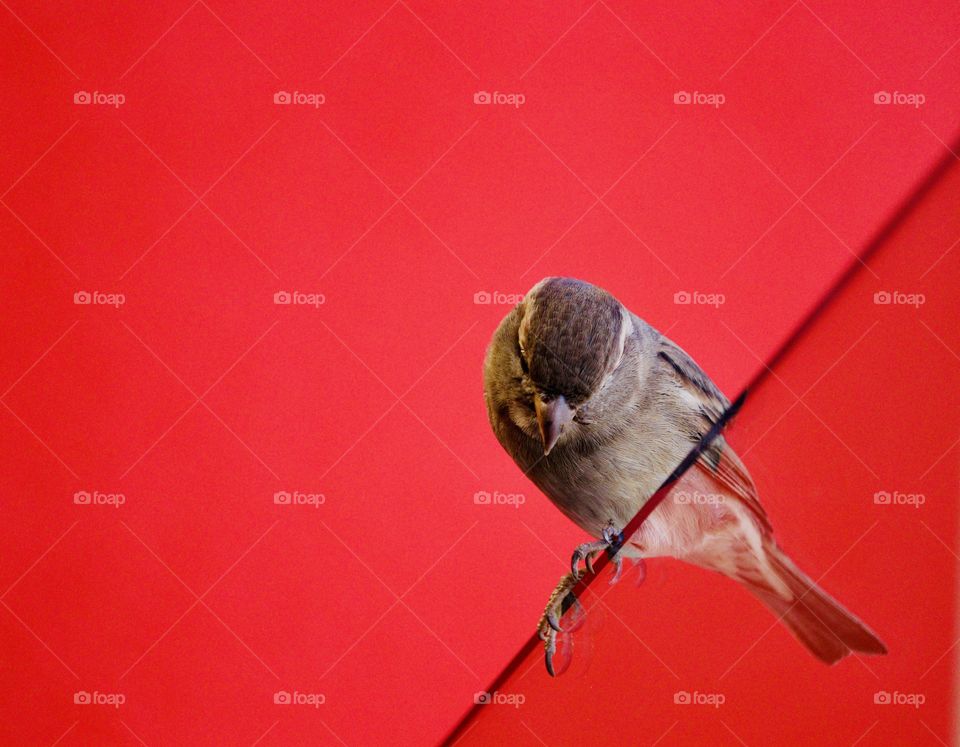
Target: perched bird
(597, 408)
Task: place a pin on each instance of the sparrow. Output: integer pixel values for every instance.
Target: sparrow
(597, 408)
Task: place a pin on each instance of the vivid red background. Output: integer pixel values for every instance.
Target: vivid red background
(398, 199)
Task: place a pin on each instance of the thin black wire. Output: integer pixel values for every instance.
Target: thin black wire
(896, 219)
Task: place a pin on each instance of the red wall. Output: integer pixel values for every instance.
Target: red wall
(398, 199)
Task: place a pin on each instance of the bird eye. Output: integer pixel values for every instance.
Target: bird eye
(522, 354)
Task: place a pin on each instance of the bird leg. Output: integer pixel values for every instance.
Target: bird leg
(562, 597)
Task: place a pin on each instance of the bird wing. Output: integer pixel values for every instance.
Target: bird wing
(718, 460)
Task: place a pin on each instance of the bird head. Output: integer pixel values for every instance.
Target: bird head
(571, 338)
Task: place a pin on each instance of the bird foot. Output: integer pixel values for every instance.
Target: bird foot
(557, 640)
(562, 599)
(549, 628)
(612, 541)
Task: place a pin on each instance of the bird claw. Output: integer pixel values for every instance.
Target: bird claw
(586, 553)
(560, 600)
(618, 565)
(553, 621)
(612, 541)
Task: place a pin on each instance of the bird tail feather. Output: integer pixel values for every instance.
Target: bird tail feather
(817, 620)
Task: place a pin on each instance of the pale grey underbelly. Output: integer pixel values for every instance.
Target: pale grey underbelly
(603, 488)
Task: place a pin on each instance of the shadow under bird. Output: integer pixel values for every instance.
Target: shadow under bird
(597, 408)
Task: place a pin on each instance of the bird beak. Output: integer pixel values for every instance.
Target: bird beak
(552, 417)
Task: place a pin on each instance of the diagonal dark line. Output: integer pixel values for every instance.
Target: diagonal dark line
(797, 335)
